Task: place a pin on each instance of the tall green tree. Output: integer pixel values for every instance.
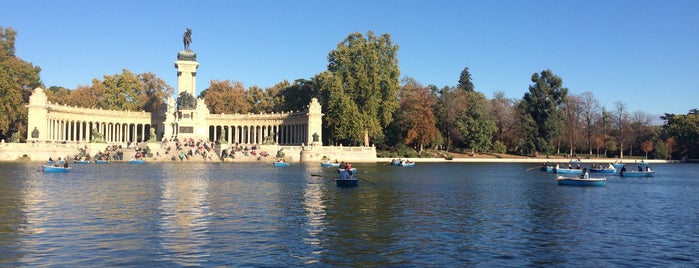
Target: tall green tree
(296, 96)
(477, 123)
(465, 81)
(360, 87)
(684, 130)
(542, 116)
(17, 80)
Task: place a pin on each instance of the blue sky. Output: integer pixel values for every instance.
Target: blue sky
(642, 53)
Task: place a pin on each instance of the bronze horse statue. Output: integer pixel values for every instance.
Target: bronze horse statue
(187, 38)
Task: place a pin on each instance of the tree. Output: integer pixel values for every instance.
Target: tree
(476, 123)
(416, 114)
(542, 106)
(640, 130)
(451, 103)
(647, 147)
(155, 92)
(589, 107)
(86, 96)
(681, 134)
(620, 120)
(465, 81)
(502, 110)
(226, 97)
(17, 80)
(572, 110)
(296, 96)
(56, 94)
(661, 151)
(362, 83)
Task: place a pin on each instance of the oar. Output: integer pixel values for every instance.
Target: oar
(365, 180)
(532, 168)
(316, 175)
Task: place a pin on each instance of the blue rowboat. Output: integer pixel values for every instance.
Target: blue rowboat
(81, 162)
(637, 173)
(52, 169)
(547, 168)
(346, 179)
(347, 182)
(329, 164)
(281, 164)
(101, 162)
(137, 161)
(406, 164)
(567, 171)
(603, 170)
(577, 181)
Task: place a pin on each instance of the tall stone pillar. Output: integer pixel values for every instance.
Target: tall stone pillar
(315, 123)
(186, 65)
(37, 114)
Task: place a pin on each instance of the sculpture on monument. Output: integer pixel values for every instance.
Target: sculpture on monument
(187, 38)
(153, 136)
(97, 137)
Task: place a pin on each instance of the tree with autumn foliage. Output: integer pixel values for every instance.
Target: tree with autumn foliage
(416, 115)
(226, 97)
(17, 80)
(477, 123)
(124, 91)
(647, 147)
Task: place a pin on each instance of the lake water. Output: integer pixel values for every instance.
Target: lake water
(432, 214)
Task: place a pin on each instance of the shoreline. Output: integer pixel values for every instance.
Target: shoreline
(525, 160)
(416, 160)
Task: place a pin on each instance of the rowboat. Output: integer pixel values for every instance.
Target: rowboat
(329, 164)
(347, 182)
(52, 169)
(567, 171)
(346, 179)
(547, 168)
(81, 162)
(406, 164)
(603, 170)
(281, 164)
(402, 163)
(637, 173)
(577, 181)
(137, 161)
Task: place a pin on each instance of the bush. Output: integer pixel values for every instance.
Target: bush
(499, 148)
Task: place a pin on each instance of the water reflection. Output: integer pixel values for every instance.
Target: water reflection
(184, 214)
